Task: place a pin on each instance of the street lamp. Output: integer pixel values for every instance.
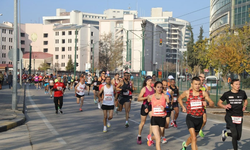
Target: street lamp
(143, 25)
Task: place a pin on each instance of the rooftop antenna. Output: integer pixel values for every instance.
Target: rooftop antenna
(128, 6)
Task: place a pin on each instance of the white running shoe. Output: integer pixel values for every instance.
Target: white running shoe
(163, 140)
(105, 129)
(108, 124)
(99, 105)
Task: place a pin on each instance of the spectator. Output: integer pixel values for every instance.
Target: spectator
(10, 79)
(1, 79)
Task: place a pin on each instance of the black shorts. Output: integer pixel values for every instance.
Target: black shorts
(175, 105)
(51, 87)
(36, 81)
(168, 114)
(79, 96)
(95, 88)
(123, 100)
(69, 82)
(143, 113)
(194, 122)
(158, 121)
(107, 107)
(88, 84)
(40, 81)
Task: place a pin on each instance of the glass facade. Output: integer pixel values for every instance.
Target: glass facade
(241, 12)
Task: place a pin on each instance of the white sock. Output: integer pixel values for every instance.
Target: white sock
(139, 135)
(126, 121)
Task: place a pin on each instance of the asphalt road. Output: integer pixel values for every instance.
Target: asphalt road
(83, 130)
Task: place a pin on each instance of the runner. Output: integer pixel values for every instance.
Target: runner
(101, 79)
(203, 88)
(170, 77)
(153, 80)
(131, 84)
(40, 77)
(107, 99)
(24, 77)
(51, 84)
(158, 121)
(79, 91)
(234, 111)
(175, 113)
(72, 81)
(195, 108)
(95, 84)
(76, 81)
(146, 91)
(58, 89)
(30, 79)
(169, 93)
(69, 81)
(46, 83)
(115, 82)
(36, 80)
(89, 81)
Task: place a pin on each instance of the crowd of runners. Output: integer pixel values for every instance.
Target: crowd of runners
(160, 100)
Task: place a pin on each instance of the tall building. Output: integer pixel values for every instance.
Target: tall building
(232, 13)
(6, 41)
(129, 29)
(177, 34)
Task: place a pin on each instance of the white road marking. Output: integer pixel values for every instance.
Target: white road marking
(45, 120)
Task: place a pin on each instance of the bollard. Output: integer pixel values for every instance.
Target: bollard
(24, 99)
(216, 93)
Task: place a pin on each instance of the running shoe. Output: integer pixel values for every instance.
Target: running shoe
(139, 140)
(224, 135)
(184, 146)
(163, 140)
(126, 125)
(105, 129)
(172, 123)
(108, 124)
(61, 111)
(175, 125)
(201, 134)
(95, 101)
(50, 96)
(58, 107)
(80, 109)
(150, 141)
(56, 111)
(99, 105)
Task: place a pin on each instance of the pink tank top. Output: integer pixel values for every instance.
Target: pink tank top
(157, 106)
(147, 92)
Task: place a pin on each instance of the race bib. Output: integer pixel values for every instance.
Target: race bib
(196, 104)
(126, 93)
(51, 81)
(76, 81)
(175, 99)
(236, 119)
(108, 98)
(46, 80)
(95, 83)
(59, 88)
(158, 110)
(68, 81)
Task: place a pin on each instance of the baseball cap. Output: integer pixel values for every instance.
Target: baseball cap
(170, 77)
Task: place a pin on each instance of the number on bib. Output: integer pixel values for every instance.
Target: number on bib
(126, 93)
(158, 110)
(196, 104)
(236, 120)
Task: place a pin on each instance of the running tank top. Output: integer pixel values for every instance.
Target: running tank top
(125, 93)
(194, 104)
(170, 98)
(147, 92)
(81, 88)
(108, 98)
(36, 79)
(130, 93)
(46, 80)
(51, 82)
(175, 96)
(157, 106)
(203, 88)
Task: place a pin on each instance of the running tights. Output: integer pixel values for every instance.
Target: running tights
(58, 100)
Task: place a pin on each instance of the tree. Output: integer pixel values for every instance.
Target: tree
(70, 65)
(44, 66)
(110, 52)
(191, 58)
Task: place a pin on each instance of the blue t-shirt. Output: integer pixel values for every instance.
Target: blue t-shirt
(69, 78)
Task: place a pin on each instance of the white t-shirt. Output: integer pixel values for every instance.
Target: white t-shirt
(108, 96)
(80, 88)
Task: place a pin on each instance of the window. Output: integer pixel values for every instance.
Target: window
(45, 50)
(63, 56)
(76, 56)
(3, 55)
(63, 49)
(3, 30)
(10, 47)
(10, 31)
(4, 39)
(10, 40)
(45, 42)
(69, 56)
(22, 49)
(77, 48)
(63, 32)
(62, 64)
(45, 35)
(70, 33)
(76, 40)
(91, 41)
(57, 49)
(22, 42)
(22, 34)
(69, 40)
(91, 49)
(92, 33)
(56, 56)
(69, 48)
(63, 41)
(91, 57)
(57, 33)
(4, 47)
(10, 63)
(3, 62)
(57, 41)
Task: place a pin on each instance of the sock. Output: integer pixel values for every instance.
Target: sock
(185, 145)
(126, 121)
(139, 135)
(105, 126)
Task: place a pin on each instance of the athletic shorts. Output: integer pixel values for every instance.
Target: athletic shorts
(168, 114)
(45, 84)
(88, 84)
(36, 81)
(40, 81)
(51, 87)
(123, 100)
(158, 121)
(79, 96)
(143, 113)
(107, 107)
(194, 122)
(95, 88)
(69, 82)
(175, 105)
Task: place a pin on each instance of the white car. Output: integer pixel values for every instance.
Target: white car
(211, 81)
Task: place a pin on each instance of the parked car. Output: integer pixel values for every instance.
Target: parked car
(211, 81)
(182, 78)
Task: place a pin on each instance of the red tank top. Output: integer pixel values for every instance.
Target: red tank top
(147, 92)
(157, 106)
(194, 104)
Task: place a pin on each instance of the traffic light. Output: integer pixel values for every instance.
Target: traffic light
(76, 64)
(160, 41)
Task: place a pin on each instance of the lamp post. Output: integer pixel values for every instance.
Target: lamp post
(30, 60)
(143, 25)
(76, 33)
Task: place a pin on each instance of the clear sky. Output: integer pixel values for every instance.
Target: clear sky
(32, 11)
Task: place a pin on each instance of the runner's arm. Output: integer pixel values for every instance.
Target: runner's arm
(100, 93)
(76, 87)
(183, 95)
(149, 98)
(140, 97)
(245, 105)
(211, 103)
(220, 102)
(166, 98)
(118, 87)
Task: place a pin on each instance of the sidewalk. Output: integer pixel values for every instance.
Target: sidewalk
(9, 118)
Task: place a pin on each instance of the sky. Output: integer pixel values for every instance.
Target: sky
(32, 11)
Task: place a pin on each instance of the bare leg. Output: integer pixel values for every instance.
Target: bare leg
(127, 110)
(204, 120)
(143, 120)
(105, 117)
(176, 109)
(110, 114)
(192, 139)
(157, 137)
(82, 98)
(94, 94)
(77, 100)
(150, 128)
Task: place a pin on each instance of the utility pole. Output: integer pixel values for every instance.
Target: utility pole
(14, 90)
(127, 47)
(30, 60)
(19, 45)
(93, 58)
(76, 32)
(143, 25)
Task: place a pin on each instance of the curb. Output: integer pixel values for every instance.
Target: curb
(20, 120)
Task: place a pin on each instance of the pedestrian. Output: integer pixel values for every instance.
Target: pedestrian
(1, 79)
(10, 79)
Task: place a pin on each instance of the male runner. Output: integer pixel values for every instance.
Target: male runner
(89, 81)
(195, 109)
(115, 82)
(79, 91)
(51, 84)
(124, 99)
(40, 78)
(58, 89)
(95, 84)
(234, 111)
(153, 80)
(175, 113)
(69, 81)
(107, 97)
(203, 88)
(101, 79)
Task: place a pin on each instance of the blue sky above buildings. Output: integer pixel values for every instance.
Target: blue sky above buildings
(32, 11)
